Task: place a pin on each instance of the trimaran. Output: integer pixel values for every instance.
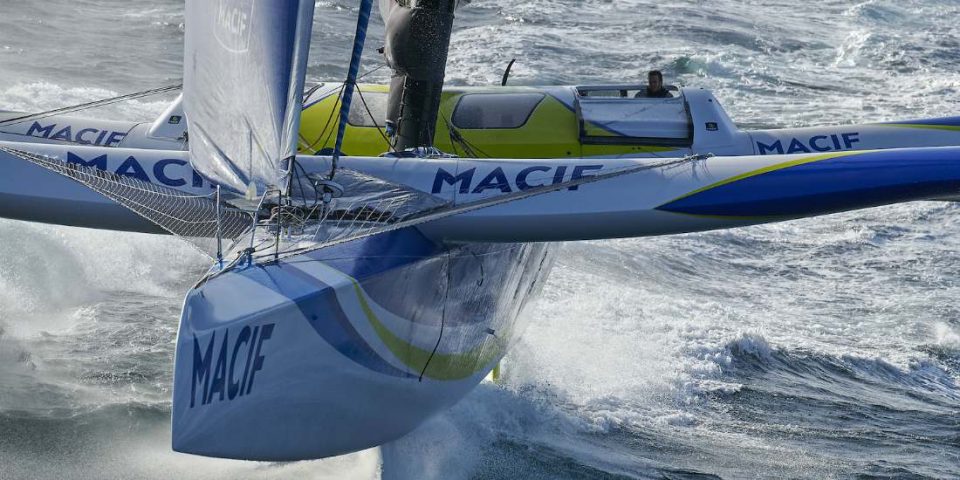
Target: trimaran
(351, 298)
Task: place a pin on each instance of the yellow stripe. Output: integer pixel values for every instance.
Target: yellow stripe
(441, 366)
(767, 169)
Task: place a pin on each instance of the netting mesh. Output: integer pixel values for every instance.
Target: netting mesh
(389, 209)
(191, 217)
(302, 221)
(369, 203)
(299, 222)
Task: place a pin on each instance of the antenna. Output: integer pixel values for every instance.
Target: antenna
(506, 73)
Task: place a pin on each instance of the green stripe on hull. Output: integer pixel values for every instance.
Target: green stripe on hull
(767, 169)
(441, 366)
(948, 128)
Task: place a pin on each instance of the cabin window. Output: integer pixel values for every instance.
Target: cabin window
(495, 110)
(616, 115)
(609, 92)
(622, 91)
(376, 102)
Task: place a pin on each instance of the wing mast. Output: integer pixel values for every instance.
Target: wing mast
(417, 43)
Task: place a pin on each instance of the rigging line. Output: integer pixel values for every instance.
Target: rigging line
(453, 144)
(310, 91)
(374, 120)
(363, 20)
(323, 132)
(320, 85)
(313, 145)
(361, 77)
(470, 148)
(449, 211)
(326, 125)
(456, 136)
(333, 113)
(296, 175)
(89, 105)
(454, 140)
(185, 223)
(443, 320)
(316, 194)
(473, 147)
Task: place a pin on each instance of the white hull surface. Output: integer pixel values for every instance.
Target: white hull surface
(717, 192)
(699, 195)
(329, 352)
(32, 193)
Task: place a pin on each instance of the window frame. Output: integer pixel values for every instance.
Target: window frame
(363, 111)
(456, 109)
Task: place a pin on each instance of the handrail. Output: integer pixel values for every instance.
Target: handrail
(256, 217)
(219, 232)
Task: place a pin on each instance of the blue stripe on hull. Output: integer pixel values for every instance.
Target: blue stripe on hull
(943, 122)
(319, 305)
(377, 254)
(837, 184)
(475, 285)
(402, 252)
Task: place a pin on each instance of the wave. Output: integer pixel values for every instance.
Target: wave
(133, 441)
(52, 268)
(849, 378)
(42, 96)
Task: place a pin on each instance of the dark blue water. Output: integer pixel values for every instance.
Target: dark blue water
(826, 348)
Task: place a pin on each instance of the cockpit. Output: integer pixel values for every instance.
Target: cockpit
(624, 91)
(619, 114)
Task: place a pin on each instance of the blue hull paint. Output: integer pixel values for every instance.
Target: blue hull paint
(329, 383)
(832, 185)
(941, 121)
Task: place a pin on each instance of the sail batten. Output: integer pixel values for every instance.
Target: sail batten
(244, 68)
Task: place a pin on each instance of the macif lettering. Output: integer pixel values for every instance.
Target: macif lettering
(500, 180)
(225, 366)
(83, 136)
(816, 143)
(171, 172)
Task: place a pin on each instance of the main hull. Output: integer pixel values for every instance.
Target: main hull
(344, 348)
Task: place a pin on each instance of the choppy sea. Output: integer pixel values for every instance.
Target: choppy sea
(825, 348)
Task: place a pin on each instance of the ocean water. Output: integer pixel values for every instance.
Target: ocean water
(825, 348)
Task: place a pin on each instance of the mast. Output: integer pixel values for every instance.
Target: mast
(417, 43)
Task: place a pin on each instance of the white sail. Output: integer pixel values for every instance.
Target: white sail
(244, 67)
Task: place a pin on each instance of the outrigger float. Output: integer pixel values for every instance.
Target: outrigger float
(570, 122)
(350, 297)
